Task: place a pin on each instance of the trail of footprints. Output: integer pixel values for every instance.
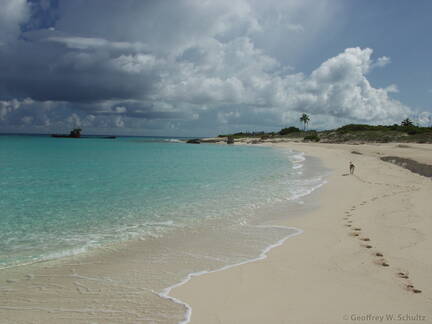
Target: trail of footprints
(378, 257)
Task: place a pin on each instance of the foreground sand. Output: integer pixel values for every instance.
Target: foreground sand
(328, 274)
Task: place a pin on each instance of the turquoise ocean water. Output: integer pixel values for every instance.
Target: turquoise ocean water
(60, 197)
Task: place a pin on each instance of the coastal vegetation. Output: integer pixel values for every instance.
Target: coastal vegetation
(406, 131)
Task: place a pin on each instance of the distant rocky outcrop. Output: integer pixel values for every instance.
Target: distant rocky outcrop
(230, 140)
(194, 141)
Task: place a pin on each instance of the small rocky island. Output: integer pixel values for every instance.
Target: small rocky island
(76, 133)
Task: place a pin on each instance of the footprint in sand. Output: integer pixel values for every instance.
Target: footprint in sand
(382, 262)
(410, 287)
(379, 254)
(366, 239)
(357, 229)
(348, 225)
(402, 275)
(367, 246)
(354, 234)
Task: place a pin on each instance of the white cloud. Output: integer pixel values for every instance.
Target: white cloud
(7, 107)
(120, 109)
(382, 61)
(245, 76)
(12, 14)
(119, 122)
(135, 64)
(424, 118)
(224, 117)
(339, 88)
(392, 88)
(74, 120)
(94, 43)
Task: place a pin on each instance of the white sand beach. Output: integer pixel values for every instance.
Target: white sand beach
(364, 255)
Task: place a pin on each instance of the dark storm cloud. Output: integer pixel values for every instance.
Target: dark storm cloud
(46, 70)
(44, 14)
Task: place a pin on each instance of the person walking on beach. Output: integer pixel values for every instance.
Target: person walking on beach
(351, 167)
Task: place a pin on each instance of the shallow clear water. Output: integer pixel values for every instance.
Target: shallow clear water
(63, 196)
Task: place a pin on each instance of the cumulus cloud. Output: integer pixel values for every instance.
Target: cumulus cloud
(340, 88)
(181, 67)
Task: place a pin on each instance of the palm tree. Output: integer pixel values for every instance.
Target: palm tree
(407, 123)
(305, 120)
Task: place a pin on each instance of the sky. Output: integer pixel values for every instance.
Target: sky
(202, 67)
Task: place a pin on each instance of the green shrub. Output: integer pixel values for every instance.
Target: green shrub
(289, 130)
(312, 137)
(354, 128)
